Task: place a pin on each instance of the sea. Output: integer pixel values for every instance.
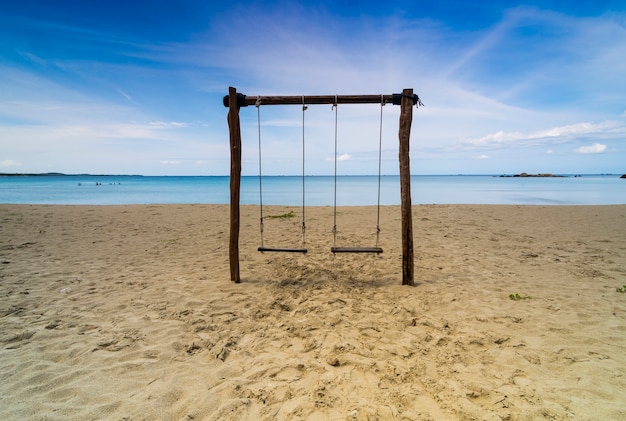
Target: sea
(318, 190)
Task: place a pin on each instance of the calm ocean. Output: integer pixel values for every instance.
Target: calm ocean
(351, 190)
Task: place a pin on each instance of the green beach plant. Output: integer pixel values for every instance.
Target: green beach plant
(621, 290)
(517, 297)
(289, 214)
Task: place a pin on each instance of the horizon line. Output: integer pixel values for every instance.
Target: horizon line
(60, 174)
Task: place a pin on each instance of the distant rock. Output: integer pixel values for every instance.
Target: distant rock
(533, 175)
(623, 176)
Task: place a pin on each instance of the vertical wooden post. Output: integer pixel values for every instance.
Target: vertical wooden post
(235, 182)
(406, 117)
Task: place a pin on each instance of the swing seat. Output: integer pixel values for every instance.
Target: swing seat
(377, 250)
(282, 250)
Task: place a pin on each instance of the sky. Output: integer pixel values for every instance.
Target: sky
(136, 86)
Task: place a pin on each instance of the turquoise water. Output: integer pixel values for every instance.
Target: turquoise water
(351, 190)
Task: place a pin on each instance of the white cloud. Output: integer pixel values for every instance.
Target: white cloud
(570, 130)
(167, 124)
(595, 148)
(344, 157)
(606, 129)
(9, 163)
(497, 138)
(169, 162)
(483, 156)
(549, 151)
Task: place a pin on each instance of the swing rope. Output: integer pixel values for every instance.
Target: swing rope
(380, 149)
(335, 187)
(258, 113)
(375, 249)
(304, 108)
(262, 248)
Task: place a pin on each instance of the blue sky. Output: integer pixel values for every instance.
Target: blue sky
(135, 87)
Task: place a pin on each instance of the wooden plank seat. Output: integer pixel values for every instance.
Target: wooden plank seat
(282, 250)
(356, 249)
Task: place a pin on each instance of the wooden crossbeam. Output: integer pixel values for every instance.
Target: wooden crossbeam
(245, 100)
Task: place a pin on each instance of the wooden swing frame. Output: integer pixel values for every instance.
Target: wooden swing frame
(234, 101)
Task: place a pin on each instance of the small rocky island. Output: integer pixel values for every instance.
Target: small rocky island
(534, 175)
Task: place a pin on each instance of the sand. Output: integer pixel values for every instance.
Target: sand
(127, 313)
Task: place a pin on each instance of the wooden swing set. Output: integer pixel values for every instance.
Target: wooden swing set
(234, 101)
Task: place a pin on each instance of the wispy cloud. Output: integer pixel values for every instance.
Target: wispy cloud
(595, 148)
(342, 157)
(560, 134)
(9, 163)
(167, 124)
(125, 95)
(489, 40)
(89, 131)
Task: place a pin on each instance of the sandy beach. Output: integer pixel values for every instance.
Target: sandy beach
(127, 313)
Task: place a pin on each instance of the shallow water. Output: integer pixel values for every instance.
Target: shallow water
(319, 190)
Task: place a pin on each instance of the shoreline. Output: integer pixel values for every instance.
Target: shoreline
(114, 311)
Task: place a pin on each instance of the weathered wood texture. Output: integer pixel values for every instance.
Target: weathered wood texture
(244, 100)
(319, 99)
(235, 184)
(377, 250)
(282, 250)
(404, 134)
